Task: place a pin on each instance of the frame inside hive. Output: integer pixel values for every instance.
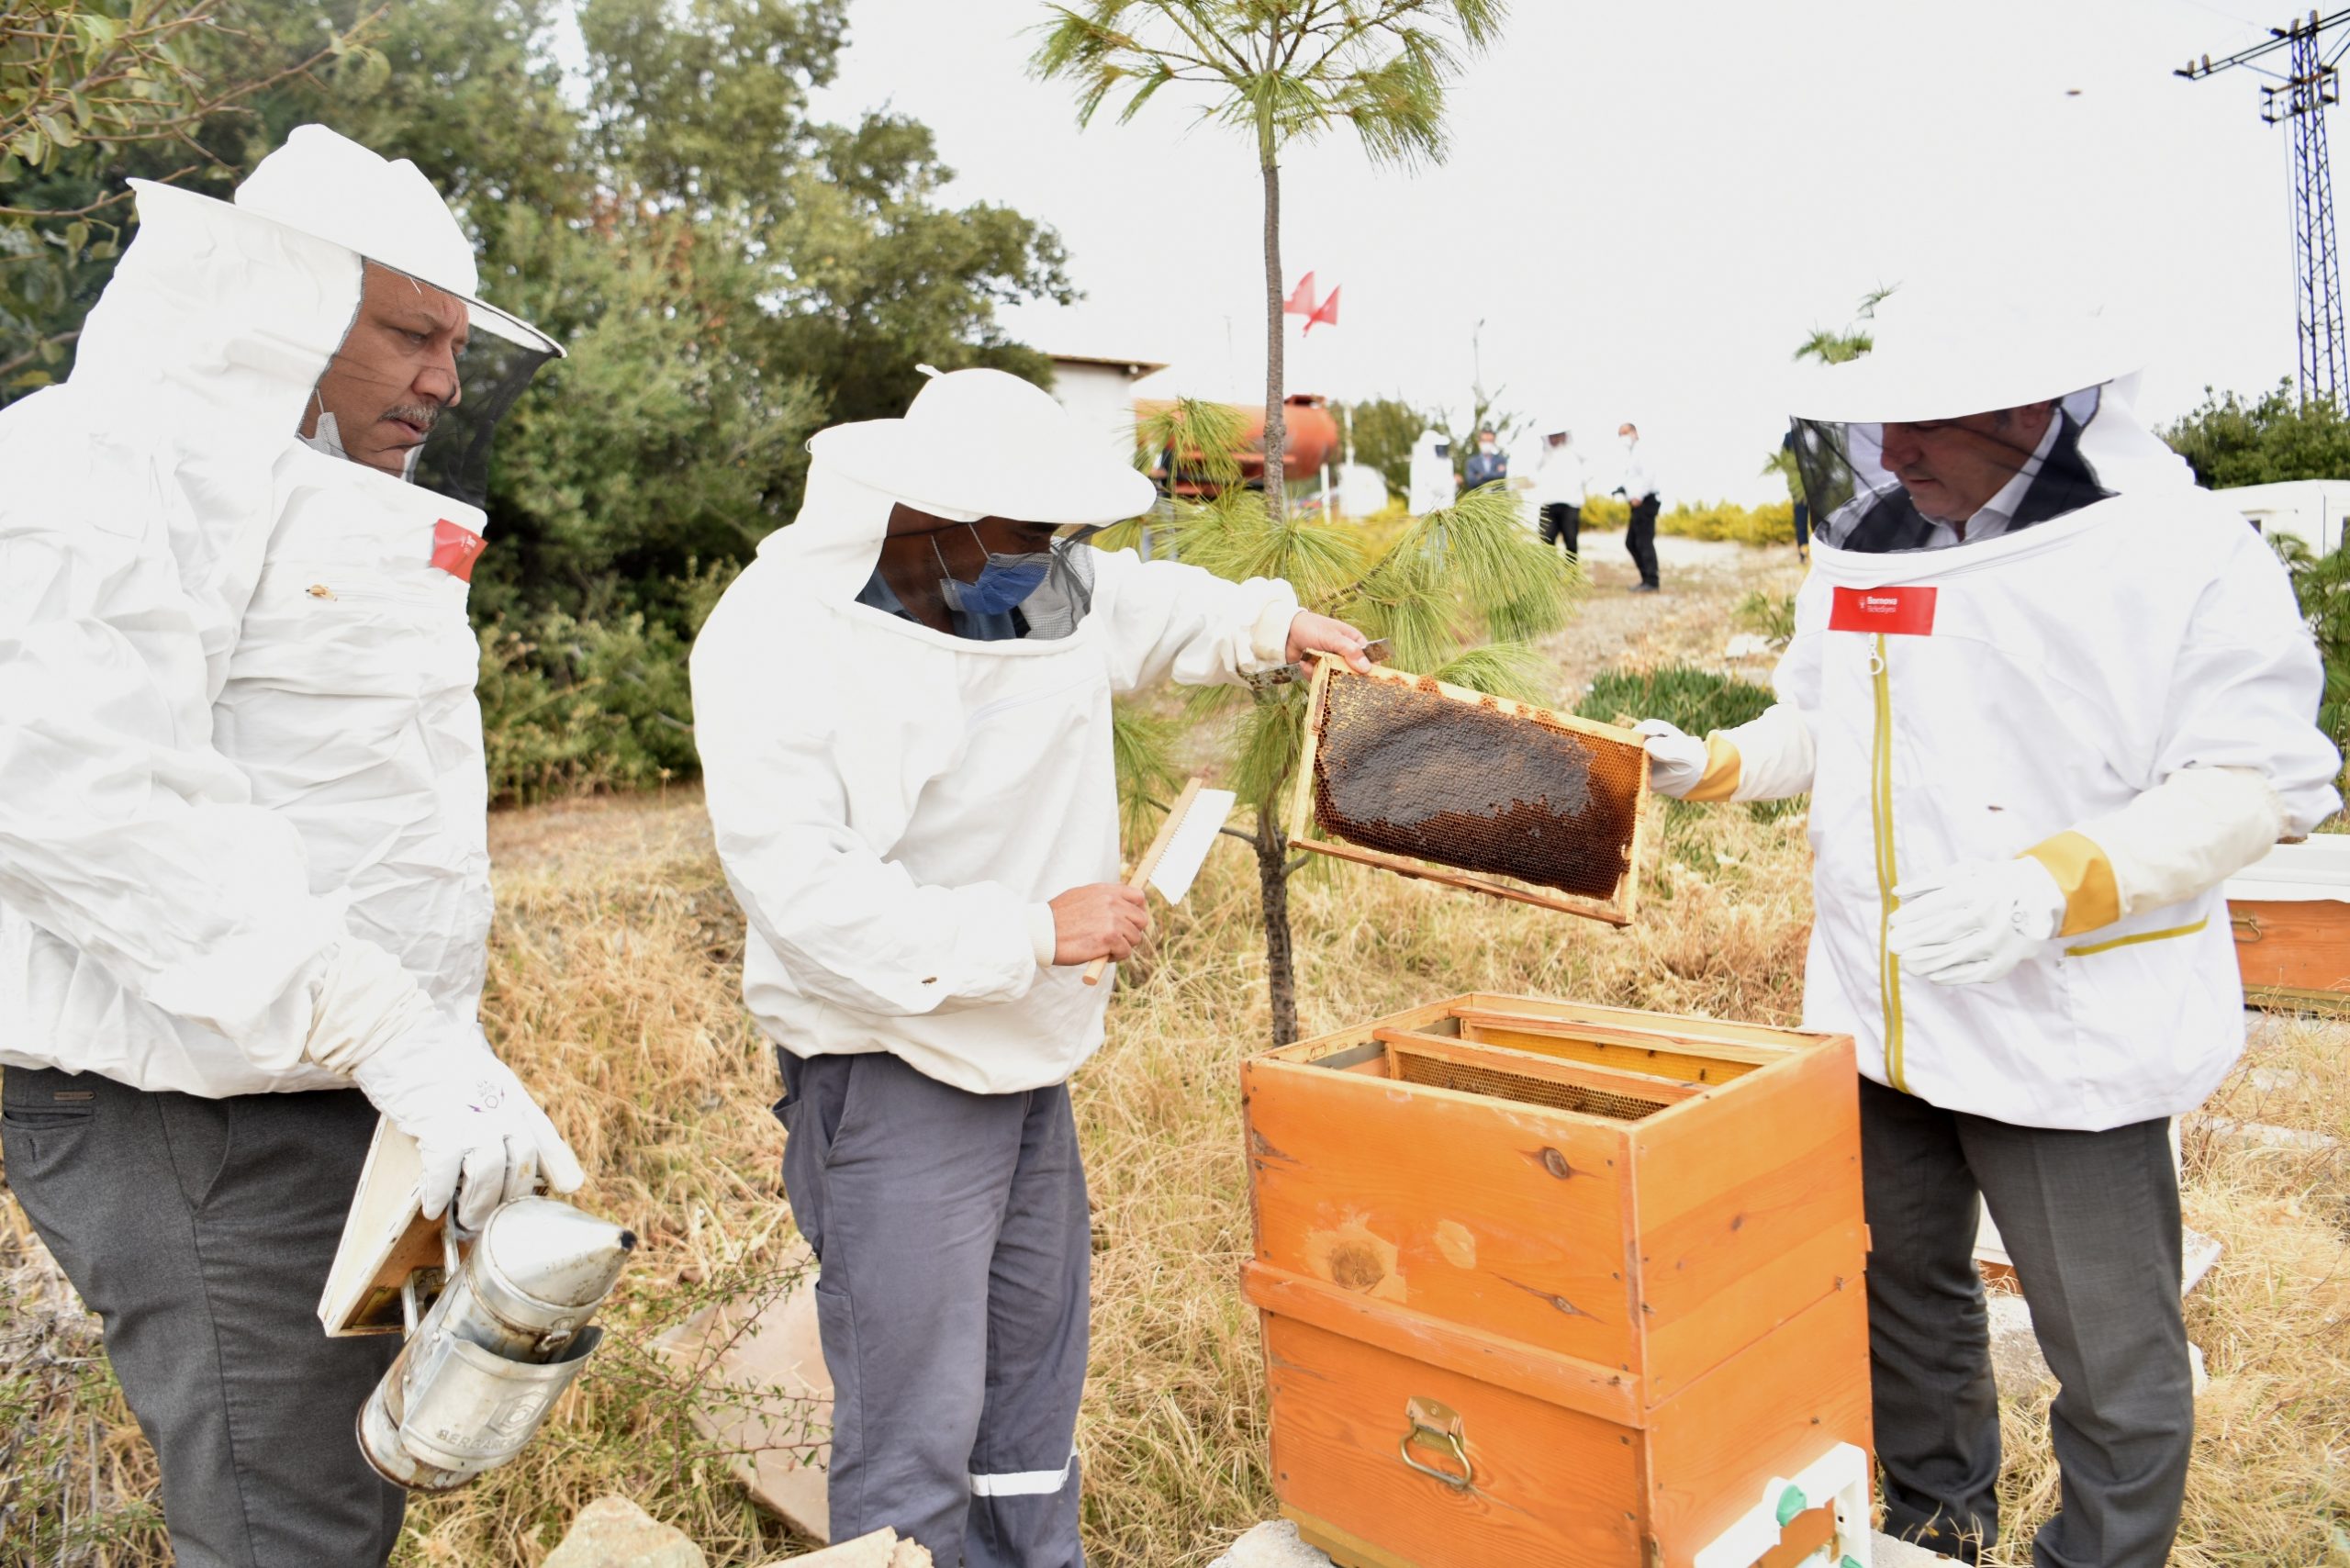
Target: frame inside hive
(1416, 776)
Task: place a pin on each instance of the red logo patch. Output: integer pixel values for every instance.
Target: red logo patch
(454, 549)
(1904, 612)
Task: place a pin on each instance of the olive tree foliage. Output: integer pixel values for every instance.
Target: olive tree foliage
(88, 87)
(1279, 71)
(1460, 594)
(727, 271)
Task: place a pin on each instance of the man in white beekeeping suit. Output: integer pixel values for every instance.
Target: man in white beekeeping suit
(2046, 695)
(243, 881)
(903, 713)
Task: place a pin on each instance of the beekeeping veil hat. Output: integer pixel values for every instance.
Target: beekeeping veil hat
(975, 449)
(1986, 357)
(387, 213)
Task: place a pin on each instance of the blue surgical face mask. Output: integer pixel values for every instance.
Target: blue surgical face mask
(1004, 583)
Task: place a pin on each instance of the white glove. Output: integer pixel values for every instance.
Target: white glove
(472, 1119)
(1975, 921)
(1676, 761)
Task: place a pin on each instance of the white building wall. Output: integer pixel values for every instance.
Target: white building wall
(1100, 398)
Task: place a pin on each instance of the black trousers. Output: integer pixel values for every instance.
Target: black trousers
(200, 1232)
(1561, 521)
(1640, 538)
(2091, 1221)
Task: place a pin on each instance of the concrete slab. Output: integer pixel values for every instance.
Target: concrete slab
(1274, 1544)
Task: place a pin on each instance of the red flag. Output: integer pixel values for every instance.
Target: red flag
(1301, 302)
(1328, 312)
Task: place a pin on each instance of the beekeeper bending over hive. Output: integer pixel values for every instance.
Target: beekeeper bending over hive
(903, 712)
(241, 814)
(2046, 695)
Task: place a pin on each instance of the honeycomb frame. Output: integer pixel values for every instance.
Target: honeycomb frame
(1307, 832)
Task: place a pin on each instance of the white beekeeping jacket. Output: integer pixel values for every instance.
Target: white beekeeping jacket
(892, 804)
(240, 754)
(2129, 642)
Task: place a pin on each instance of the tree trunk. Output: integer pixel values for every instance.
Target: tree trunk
(1276, 426)
(1281, 969)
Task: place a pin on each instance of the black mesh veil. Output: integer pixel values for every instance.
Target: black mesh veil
(1881, 488)
(494, 371)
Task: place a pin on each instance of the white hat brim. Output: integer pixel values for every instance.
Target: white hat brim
(937, 470)
(488, 318)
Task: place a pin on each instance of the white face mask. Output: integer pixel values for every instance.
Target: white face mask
(327, 439)
(1629, 442)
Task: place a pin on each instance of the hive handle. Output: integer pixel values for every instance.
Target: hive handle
(2246, 927)
(1441, 1423)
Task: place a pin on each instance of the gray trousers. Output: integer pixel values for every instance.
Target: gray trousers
(2091, 1221)
(955, 1249)
(201, 1231)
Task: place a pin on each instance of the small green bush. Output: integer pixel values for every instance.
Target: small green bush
(1769, 616)
(1696, 700)
(1771, 523)
(574, 707)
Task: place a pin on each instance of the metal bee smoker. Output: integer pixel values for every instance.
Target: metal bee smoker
(505, 1336)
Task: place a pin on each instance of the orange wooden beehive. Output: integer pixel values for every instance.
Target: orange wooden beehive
(1548, 1283)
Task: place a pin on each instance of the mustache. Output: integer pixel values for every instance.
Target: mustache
(423, 415)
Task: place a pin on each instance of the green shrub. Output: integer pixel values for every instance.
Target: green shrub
(578, 706)
(1773, 523)
(1696, 700)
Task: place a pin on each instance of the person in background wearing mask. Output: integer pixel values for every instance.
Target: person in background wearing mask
(1489, 465)
(1638, 488)
(2046, 695)
(244, 892)
(903, 712)
(1560, 487)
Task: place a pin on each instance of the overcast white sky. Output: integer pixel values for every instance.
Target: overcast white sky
(1646, 204)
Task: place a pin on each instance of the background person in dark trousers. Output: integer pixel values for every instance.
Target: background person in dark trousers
(1559, 487)
(1638, 489)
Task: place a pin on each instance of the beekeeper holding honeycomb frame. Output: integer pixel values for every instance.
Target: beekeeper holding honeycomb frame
(903, 712)
(244, 889)
(2046, 694)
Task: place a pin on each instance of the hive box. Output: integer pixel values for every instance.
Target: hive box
(2290, 913)
(1549, 1283)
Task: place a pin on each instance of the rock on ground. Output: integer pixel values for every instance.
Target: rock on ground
(882, 1548)
(612, 1532)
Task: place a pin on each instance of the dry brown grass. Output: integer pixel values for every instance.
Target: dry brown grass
(614, 988)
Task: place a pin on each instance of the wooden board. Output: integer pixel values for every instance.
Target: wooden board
(1548, 1488)
(1669, 1063)
(1769, 1411)
(1744, 1221)
(2294, 952)
(1501, 1217)
(1726, 1030)
(1541, 1065)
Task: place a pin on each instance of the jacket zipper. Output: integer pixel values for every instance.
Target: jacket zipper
(1888, 872)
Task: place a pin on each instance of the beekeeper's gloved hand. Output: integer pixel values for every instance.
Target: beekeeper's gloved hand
(473, 1121)
(1975, 921)
(1676, 761)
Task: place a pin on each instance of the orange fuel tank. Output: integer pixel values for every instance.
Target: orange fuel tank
(1312, 432)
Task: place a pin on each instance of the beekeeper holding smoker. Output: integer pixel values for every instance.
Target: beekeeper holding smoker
(2046, 694)
(903, 713)
(244, 885)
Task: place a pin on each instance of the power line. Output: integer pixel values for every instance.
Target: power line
(2308, 87)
